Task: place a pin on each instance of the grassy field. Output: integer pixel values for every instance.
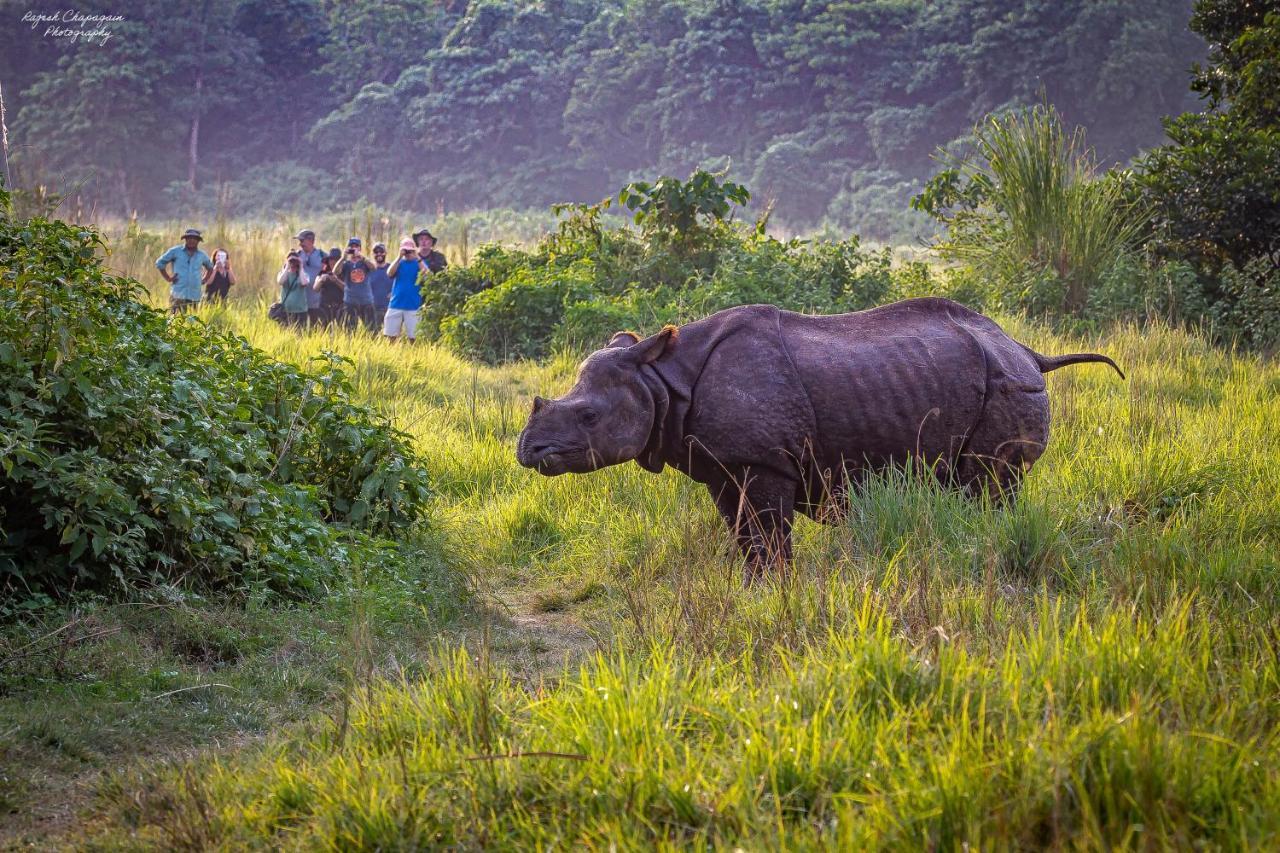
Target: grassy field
(1096, 666)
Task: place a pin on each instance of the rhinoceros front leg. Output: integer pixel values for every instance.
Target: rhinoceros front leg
(758, 508)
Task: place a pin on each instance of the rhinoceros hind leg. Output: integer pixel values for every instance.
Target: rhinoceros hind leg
(1004, 446)
(758, 508)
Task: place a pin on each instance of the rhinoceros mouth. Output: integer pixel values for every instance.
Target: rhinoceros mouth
(560, 460)
(550, 465)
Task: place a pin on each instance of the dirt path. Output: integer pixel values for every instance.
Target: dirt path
(57, 800)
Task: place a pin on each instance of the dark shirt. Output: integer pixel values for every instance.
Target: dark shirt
(219, 281)
(330, 290)
(435, 261)
(356, 275)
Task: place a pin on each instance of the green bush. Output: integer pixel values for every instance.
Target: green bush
(137, 448)
(449, 290)
(519, 317)
(589, 279)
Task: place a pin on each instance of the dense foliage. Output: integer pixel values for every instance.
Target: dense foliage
(687, 259)
(831, 110)
(1214, 190)
(137, 448)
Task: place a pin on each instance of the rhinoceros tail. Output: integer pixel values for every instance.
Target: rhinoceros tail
(1053, 362)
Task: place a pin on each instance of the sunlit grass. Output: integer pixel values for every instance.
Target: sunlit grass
(1095, 666)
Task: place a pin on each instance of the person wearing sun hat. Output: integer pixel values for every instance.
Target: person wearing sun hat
(406, 297)
(190, 268)
(426, 242)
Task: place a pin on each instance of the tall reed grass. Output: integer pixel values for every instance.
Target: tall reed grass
(1045, 206)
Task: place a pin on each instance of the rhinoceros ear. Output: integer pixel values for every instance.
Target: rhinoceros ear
(654, 347)
(622, 339)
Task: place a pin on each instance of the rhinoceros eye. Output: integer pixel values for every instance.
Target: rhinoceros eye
(589, 417)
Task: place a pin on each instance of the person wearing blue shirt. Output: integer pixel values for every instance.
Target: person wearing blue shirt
(190, 269)
(406, 298)
(312, 258)
(380, 284)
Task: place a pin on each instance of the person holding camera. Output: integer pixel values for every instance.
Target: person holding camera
(357, 297)
(312, 257)
(406, 297)
(330, 289)
(218, 281)
(293, 291)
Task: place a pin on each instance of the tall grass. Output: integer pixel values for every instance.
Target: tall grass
(1044, 205)
(1096, 666)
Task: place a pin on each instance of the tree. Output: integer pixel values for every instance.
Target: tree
(1215, 189)
(73, 121)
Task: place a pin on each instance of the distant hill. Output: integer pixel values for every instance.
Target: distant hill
(831, 110)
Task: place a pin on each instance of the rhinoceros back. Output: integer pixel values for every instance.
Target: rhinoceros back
(901, 380)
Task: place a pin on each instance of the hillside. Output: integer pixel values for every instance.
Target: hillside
(831, 111)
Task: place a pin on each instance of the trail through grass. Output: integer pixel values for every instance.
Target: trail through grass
(1095, 666)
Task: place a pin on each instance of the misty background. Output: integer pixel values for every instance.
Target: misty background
(831, 112)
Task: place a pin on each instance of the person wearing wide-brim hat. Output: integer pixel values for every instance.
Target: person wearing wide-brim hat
(191, 266)
(426, 242)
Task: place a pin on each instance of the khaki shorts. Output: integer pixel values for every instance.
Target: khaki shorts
(181, 306)
(397, 319)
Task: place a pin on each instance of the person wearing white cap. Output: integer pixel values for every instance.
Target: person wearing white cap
(406, 298)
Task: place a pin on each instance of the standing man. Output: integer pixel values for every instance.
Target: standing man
(427, 251)
(357, 297)
(406, 298)
(186, 282)
(380, 284)
(311, 259)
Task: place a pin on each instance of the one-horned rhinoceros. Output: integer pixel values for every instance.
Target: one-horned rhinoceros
(776, 411)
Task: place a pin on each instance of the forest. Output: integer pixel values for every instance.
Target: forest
(830, 112)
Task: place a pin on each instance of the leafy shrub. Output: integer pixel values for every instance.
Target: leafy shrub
(677, 210)
(450, 289)
(1214, 189)
(135, 448)
(1249, 310)
(519, 317)
(589, 279)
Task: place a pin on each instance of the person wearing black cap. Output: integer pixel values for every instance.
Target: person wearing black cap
(426, 241)
(190, 265)
(312, 257)
(357, 299)
(380, 284)
(329, 287)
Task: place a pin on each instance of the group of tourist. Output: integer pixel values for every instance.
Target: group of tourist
(317, 287)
